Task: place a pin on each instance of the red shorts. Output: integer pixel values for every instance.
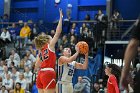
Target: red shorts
(46, 79)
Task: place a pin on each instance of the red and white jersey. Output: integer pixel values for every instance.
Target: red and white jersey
(47, 57)
(112, 86)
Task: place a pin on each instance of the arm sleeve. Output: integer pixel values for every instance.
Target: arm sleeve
(114, 82)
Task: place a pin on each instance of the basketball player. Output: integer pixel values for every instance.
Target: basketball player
(46, 60)
(69, 65)
(130, 53)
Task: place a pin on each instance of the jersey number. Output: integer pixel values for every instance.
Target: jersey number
(70, 73)
(45, 55)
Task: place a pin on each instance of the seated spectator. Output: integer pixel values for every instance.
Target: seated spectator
(64, 41)
(79, 87)
(87, 17)
(3, 89)
(5, 72)
(18, 88)
(22, 63)
(27, 62)
(22, 80)
(96, 87)
(72, 44)
(75, 29)
(30, 56)
(59, 51)
(5, 36)
(82, 28)
(25, 33)
(52, 33)
(28, 77)
(8, 82)
(15, 57)
(14, 74)
(1, 67)
(33, 50)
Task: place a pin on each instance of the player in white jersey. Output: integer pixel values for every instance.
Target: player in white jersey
(69, 65)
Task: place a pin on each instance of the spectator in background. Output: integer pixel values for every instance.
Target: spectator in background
(28, 77)
(5, 72)
(72, 44)
(99, 27)
(14, 57)
(82, 28)
(34, 32)
(5, 36)
(8, 82)
(75, 29)
(13, 30)
(52, 33)
(59, 51)
(87, 17)
(79, 87)
(3, 89)
(64, 41)
(1, 67)
(22, 62)
(14, 74)
(99, 16)
(18, 88)
(96, 87)
(30, 56)
(25, 33)
(5, 20)
(22, 80)
(115, 22)
(33, 50)
(27, 62)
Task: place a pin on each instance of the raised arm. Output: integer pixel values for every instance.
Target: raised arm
(64, 59)
(57, 33)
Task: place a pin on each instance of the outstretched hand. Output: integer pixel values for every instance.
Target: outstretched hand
(61, 13)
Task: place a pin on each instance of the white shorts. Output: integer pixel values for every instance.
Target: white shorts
(64, 87)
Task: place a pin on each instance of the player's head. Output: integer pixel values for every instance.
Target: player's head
(113, 69)
(41, 40)
(67, 52)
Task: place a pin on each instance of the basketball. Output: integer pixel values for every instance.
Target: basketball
(83, 47)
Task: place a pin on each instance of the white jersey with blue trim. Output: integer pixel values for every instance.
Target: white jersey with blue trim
(68, 71)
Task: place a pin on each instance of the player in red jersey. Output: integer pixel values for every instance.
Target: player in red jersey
(113, 71)
(46, 59)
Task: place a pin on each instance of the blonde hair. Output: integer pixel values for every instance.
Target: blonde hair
(41, 40)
